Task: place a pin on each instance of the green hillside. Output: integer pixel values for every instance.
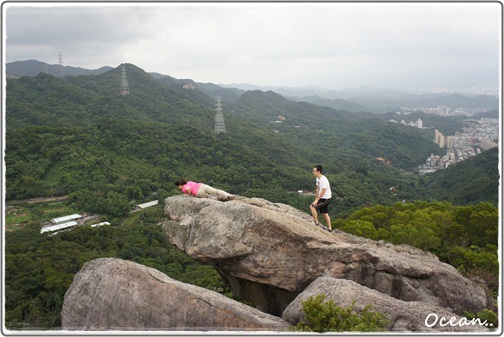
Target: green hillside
(78, 136)
(473, 180)
(34, 67)
(380, 103)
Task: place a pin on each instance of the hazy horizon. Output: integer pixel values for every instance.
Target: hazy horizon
(401, 45)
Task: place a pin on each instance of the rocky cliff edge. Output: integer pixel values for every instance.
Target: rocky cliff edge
(274, 257)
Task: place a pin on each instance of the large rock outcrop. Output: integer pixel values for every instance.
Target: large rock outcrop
(113, 294)
(403, 316)
(271, 252)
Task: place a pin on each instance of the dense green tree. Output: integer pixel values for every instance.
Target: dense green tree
(463, 236)
(40, 267)
(75, 133)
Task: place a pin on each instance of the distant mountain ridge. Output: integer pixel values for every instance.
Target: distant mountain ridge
(377, 100)
(64, 135)
(383, 104)
(362, 99)
(34, 67)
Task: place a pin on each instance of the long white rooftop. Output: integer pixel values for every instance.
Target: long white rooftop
(58, 227)
(66, 218)
(148, 204)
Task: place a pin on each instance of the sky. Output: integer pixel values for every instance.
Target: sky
(331, 45)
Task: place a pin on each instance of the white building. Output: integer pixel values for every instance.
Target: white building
(439, 138)
(73, 217)
(100, 224)
(486, 143)
(449, 140)
(58, 227)
(147, 204)
(63, 222)
(419, 123)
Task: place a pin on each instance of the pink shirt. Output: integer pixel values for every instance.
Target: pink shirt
(193, 186)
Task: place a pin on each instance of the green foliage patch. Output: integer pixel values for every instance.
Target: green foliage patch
(325, 316)
(39, 268)
(490, 317)
(76, 135)
(463, 236)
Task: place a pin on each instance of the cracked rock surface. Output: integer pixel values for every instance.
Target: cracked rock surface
(270, 252)
(273, 256)
(114, 294)
(403, 316)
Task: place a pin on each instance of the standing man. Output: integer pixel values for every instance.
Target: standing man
(323, 197)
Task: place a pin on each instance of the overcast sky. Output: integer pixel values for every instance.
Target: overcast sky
(330, 45)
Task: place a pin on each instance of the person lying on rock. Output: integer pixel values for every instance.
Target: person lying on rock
(201, 190)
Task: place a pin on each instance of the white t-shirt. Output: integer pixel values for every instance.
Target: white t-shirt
(321, 184)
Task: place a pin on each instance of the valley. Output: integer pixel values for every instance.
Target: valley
(77, 137)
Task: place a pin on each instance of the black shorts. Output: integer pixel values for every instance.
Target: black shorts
(323, 205)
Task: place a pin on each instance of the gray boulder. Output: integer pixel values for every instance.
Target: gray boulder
(403, 316)
(269, 253)
(113, 294)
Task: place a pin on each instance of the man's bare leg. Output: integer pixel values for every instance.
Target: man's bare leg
(327, 220)
(314, 214)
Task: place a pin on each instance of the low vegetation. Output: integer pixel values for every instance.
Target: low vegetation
(325, 316)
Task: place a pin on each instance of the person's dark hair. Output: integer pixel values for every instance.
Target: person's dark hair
(319, 168)
(181, 182)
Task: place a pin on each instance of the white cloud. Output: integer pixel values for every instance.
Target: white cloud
(298, 43)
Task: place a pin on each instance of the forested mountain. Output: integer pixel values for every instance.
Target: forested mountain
(384, 103)
(337, 103)
(77, 135)
(451, 100)
(34, 67)
(362, 99)
(479, 178)
(366, 99)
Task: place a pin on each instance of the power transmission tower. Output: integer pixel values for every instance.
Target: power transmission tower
(60, 63)
(124, 82)
(219, 117)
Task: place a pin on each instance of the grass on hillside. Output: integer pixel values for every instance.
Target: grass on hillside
(19, 215)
